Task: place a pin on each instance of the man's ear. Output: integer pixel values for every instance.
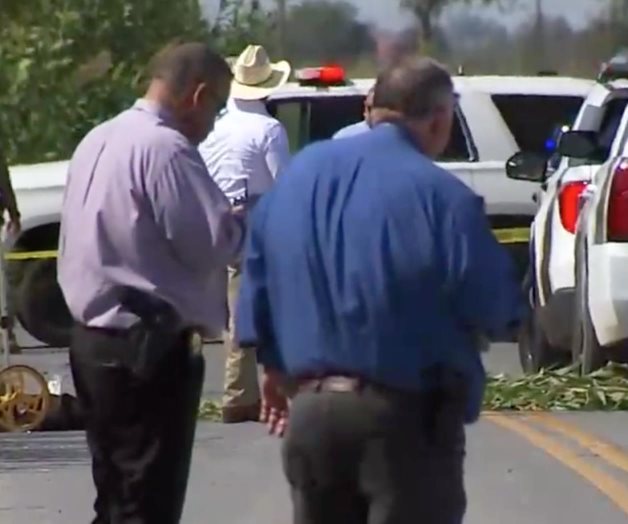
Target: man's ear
(199, 94)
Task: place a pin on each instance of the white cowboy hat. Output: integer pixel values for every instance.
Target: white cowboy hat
(255, 76)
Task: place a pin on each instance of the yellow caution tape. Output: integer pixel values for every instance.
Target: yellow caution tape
(31, 255)
(515, 235)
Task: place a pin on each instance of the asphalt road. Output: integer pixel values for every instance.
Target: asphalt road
(542, 469)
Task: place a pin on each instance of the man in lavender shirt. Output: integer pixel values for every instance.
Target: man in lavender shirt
(146, 236)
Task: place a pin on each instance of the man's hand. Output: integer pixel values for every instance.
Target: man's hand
(243, 208)
(274, 404)
(14, 225)
(239, 210)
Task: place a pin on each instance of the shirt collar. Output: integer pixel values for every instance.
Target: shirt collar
(398, 131)
(247, 106)
(148, 106)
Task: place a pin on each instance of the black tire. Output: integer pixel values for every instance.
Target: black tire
(586, 352)
(535, 352)
(41, 308)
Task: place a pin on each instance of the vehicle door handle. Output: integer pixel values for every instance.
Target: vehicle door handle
(535, 198)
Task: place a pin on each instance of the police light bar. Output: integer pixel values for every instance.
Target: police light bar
(321, 76)
(616, 68)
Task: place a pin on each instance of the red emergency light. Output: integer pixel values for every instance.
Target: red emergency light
(331, 75)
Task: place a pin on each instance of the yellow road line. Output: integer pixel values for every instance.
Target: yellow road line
(612, 454)
(605, 483)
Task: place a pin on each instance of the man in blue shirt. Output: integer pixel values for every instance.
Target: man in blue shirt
(362, 126)
(369, 275)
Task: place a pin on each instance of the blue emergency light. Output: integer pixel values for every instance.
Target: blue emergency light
(551, 144)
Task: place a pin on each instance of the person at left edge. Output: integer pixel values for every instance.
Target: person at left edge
(8, 204)
(247, 150)
(145, 238)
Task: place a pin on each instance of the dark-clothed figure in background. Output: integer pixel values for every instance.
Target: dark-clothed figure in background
(8, 206)
(369, 274)
(7, 198)
(146, 236)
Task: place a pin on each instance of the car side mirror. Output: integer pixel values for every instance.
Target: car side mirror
(578, 144)
(527, 166)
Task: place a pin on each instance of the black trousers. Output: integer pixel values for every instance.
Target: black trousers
(376, 457)
(139, 432)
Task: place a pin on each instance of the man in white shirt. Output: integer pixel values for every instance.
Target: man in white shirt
(244, 154)
(362, 126)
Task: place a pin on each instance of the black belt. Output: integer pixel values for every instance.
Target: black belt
(437, 380)
(346, 384)
(334, 383)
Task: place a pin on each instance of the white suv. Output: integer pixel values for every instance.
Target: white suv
(600, 314)
(546, 340)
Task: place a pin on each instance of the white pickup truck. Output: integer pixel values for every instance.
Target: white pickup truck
(495, 118)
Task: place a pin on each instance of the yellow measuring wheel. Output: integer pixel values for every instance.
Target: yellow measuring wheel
(24, 394)
(24, 398)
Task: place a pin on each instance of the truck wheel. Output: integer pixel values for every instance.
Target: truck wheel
(41, 308)
(535, 352)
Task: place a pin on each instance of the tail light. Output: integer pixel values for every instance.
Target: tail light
(569, 204)
(617, 212)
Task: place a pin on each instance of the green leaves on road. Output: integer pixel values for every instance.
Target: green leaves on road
(548, 390)
(560, 390)
(209, 410)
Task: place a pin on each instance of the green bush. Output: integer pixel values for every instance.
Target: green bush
(66, 65)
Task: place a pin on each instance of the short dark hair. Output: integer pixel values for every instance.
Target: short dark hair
(414, 87)
(182, 65)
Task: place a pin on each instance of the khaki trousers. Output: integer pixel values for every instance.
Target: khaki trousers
(241, 386)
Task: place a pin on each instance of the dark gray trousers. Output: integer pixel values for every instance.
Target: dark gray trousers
(374, 457)
(140, 432)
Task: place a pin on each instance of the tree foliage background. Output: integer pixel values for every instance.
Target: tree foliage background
(66, 65)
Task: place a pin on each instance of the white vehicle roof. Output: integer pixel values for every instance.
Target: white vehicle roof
(526, 85)
(503, 85)
(38, 176)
